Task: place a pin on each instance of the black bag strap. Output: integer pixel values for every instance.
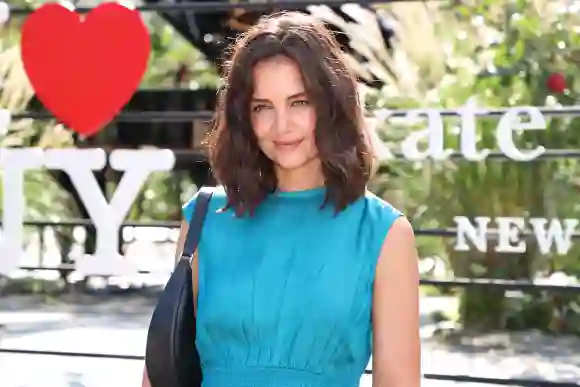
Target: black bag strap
(196, 223)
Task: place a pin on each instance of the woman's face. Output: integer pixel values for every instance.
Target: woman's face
(283, 118)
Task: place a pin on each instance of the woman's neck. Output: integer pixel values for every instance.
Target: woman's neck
(300, 179)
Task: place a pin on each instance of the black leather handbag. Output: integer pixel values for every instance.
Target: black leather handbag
(171, 357)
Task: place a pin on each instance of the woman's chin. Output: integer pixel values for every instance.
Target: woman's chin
(289, 165)
(293, 162)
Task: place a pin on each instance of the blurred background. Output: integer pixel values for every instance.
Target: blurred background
(58, 328)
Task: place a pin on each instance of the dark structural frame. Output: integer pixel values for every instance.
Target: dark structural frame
(181, 116)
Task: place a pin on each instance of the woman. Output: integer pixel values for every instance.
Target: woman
(300, 270)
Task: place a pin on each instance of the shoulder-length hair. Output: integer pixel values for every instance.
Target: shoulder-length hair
(237, 162)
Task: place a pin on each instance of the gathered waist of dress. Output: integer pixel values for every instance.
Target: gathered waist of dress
(276, 377)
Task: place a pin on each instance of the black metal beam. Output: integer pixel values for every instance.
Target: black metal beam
(220, 6)
(198, 155)
(433, 232)
(71, 354)
(518, 285)
(186, 116)
(501, 382)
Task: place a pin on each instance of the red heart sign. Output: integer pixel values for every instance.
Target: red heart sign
(84, 72)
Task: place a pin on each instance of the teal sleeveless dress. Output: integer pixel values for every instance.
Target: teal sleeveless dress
(285, 297)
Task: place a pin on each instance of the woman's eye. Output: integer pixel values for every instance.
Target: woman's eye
(300, 103)
(258, 108)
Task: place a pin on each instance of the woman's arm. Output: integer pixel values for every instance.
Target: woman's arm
(145, 381)
(180, 243)
(396, 342)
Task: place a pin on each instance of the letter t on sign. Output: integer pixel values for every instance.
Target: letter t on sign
(137, 165)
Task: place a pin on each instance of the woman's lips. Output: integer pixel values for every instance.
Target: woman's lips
(287, 145)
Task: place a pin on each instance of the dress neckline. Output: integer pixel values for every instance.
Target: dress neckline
(305, 193)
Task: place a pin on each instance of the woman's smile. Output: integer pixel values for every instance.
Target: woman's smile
(287, 145)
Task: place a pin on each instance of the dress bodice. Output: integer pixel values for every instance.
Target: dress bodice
(284, 297)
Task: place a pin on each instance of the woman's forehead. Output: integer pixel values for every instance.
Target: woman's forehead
(279, 76)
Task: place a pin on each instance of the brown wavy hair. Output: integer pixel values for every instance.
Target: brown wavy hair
(237, 162)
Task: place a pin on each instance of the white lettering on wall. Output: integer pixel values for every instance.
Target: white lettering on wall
(554, 234)
(509, 229)
(468, 133)
(512, 122)
(476, 234)
(137, 165)
(434, 133)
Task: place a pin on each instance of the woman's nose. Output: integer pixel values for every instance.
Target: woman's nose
(282, 121)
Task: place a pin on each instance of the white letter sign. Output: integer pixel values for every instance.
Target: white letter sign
(468, 135)
(434, 133)
(509, 235)
(512, 122)
(79, 164)
(555, 233)
(547, 233)
(476, 234)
